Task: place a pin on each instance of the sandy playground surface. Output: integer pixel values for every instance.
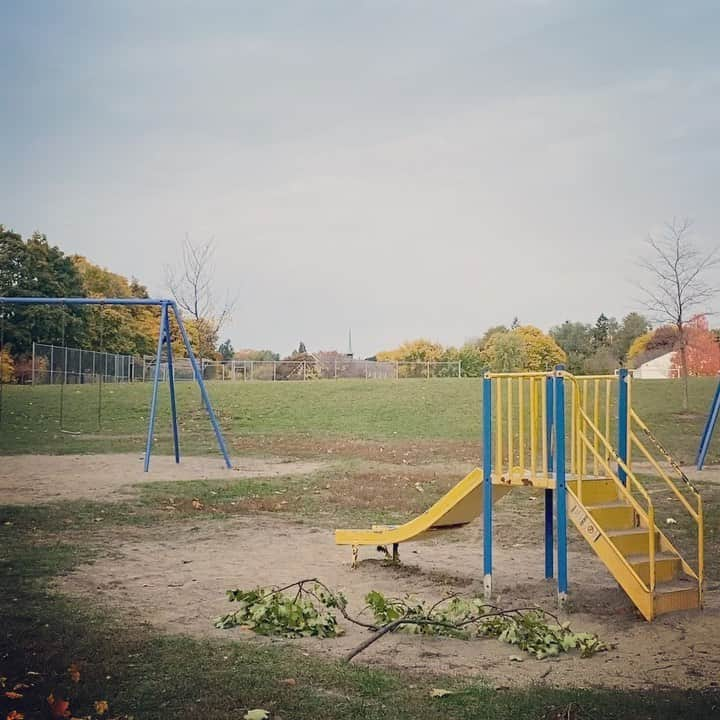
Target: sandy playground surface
(49, 478)
(176, 581)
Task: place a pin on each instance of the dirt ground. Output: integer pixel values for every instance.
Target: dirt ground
(174, 576)
(48, 478)
(177, 583)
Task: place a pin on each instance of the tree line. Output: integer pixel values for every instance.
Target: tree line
(678, 289)
(584, 348)
(32, 267)
(581, 347)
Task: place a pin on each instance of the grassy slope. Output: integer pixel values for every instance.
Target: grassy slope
(441, 409)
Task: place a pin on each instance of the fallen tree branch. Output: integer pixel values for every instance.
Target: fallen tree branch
(310, 613)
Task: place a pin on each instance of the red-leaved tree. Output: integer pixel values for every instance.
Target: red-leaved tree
(701, 348)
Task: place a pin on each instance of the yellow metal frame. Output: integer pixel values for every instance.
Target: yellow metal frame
(521, 452)
(520, 400)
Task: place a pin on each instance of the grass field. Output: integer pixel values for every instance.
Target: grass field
(419, 411)
(379, 440)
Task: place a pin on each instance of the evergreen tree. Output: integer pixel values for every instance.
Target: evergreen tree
(226, 350)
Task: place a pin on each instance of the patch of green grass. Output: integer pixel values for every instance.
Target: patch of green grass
(72, 515)
(142, 673)
(214, 491)
(349, 494)
(436, 409)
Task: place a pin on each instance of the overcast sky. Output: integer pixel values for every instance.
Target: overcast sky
(402, 168)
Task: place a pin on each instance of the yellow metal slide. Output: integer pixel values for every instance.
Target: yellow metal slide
(458, 507)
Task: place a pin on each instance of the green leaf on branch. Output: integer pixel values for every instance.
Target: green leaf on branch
(308, 612)
(271, 612)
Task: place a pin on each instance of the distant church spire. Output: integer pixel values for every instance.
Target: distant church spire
(350, 352)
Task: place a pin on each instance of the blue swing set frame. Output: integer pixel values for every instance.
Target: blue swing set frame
(163, 340)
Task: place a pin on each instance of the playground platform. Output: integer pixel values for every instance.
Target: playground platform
(535, 434)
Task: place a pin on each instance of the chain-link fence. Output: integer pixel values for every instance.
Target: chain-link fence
(52, 364)
(56, 364)
(325, 369)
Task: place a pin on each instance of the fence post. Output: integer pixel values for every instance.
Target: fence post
(274, 369)
(428, 370)
(252, 370)
(32, 382)
(459, 368)
(397, 370)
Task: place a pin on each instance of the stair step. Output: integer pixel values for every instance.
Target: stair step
(595, 490)
(667, 566)
(678, 595)
(613, 515)
(632, 540)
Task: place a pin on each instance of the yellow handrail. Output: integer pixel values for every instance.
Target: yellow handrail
(649, 513)
(521, 422)
(543, 427)
(695, 514)
(533, 427)
(511, 449)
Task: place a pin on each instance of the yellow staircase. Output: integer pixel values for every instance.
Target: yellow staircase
(638, 555)
(618, 518)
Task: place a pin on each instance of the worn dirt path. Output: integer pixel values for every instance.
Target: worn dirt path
(32, 479)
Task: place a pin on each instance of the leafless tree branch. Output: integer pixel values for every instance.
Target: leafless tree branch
(193, 288)
(678, 280)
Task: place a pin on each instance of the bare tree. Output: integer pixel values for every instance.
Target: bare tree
(678, 270)
(193, 287)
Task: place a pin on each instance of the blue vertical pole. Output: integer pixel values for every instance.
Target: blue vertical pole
(709, 428)
(156, 383)
(487, 487)
(549, 415)
(560, 485)
(622, 421)
(203, 389)
(171, 383)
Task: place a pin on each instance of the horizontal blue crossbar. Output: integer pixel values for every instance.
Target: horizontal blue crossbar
(82, 301)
